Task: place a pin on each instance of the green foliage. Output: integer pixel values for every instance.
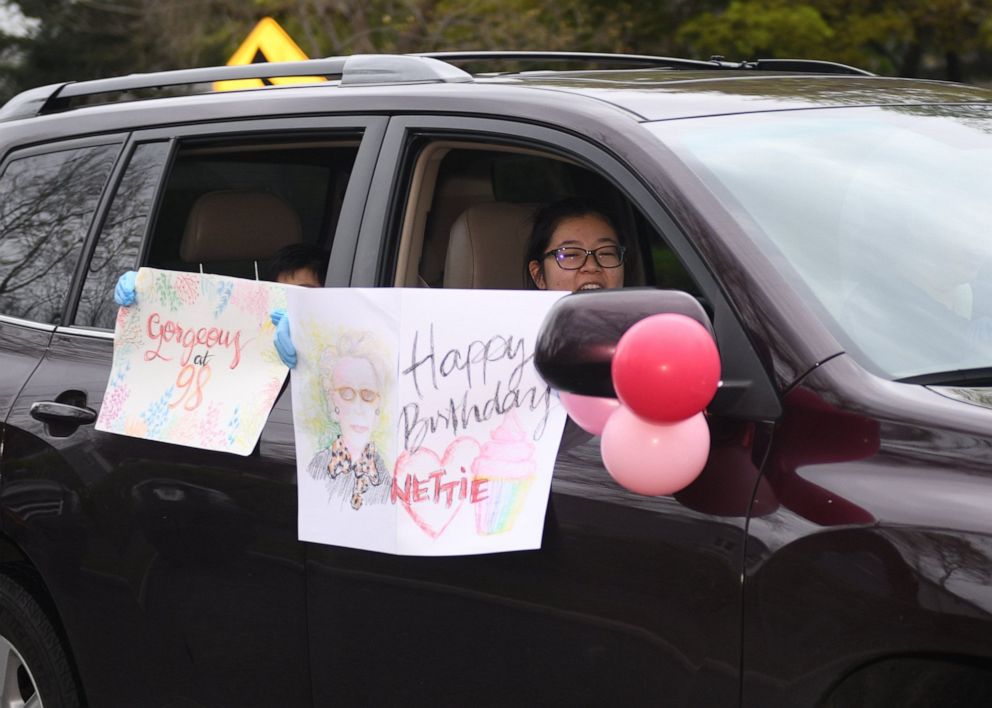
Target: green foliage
(912, 37)
(752, 29)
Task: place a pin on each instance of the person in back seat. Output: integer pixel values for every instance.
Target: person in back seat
(299, 264)
(582, 242)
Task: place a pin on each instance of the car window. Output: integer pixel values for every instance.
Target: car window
(47, 203)
(118, 245)
(470, 208)
(227, 208)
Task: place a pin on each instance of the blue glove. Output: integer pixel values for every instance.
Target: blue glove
(124, 294)
(283, 340)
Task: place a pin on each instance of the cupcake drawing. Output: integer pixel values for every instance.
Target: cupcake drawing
(507, 465)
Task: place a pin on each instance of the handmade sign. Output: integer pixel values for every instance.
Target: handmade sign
(194, 362)
(422, 427)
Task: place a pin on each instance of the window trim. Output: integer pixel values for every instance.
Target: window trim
(69, 143)
(31, 324)
(92, 332)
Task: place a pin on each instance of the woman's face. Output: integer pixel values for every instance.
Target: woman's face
(588, 232)
(356, 400)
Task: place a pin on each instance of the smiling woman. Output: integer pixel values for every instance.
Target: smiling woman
(583, 243)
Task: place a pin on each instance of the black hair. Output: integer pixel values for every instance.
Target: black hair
(546, 222)
(296, 256)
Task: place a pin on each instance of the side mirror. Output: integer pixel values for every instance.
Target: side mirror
(579, 336)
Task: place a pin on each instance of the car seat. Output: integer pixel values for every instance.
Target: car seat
(487, 246)
(455, 193)
(231, 231)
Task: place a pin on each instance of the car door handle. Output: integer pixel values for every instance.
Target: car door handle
(49, 411)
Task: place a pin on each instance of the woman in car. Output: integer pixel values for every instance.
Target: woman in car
(582, 242)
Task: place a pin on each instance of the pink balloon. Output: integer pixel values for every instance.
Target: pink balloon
(589, 412)
(666, 368)
(654, 458)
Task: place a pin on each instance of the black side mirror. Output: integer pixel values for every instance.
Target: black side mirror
(579, 336)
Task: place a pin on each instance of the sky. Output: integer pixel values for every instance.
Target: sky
(12, 20)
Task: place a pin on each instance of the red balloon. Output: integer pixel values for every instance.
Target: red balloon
(666, 368)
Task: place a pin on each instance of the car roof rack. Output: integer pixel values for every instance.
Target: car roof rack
(368, 69)
(814, 66)
(646, 61)
(355, 70)
(642, 60)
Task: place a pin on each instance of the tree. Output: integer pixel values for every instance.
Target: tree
(84, 39)
(753, 29)
(943, 38)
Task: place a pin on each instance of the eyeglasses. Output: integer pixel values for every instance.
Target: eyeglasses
(573, 257)
(349, 394)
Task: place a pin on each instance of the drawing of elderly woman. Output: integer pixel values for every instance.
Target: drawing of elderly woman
(354, 380)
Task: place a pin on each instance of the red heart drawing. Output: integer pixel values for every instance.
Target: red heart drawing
(434, 514)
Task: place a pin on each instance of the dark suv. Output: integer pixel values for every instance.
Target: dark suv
(837, 548)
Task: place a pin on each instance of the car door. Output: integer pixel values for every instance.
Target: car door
(176, 571)
(630, 600)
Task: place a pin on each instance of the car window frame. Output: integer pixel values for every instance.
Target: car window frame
(747, 392)
(371, 127)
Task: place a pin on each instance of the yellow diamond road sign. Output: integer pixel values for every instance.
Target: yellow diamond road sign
(268, 42)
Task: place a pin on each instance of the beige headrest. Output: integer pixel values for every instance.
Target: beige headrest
(238, 225)
(454, 195)
(487, 246)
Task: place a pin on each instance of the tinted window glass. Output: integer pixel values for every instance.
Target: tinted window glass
(120, 240)
(46, 206)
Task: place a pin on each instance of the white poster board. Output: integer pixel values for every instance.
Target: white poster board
(422, 427)
(194, 362)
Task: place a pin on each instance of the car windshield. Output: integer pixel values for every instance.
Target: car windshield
(880, 216)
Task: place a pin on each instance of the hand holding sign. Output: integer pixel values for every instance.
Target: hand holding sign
(193, 361)
(124, 291)
(283, 340)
